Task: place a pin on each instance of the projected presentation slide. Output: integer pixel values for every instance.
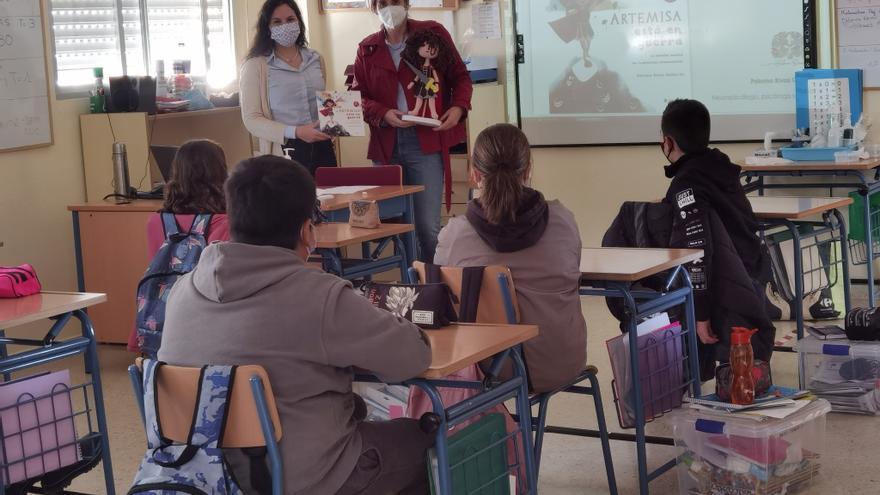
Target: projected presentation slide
(602, 71)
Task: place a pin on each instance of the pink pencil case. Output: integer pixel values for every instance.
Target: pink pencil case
(18, 281)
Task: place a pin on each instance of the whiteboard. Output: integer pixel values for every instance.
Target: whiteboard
(858, 38)
(25, 121)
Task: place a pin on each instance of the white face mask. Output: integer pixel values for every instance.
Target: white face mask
(392, 16)
(285, 34)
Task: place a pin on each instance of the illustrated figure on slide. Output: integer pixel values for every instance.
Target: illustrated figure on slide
(586, 84)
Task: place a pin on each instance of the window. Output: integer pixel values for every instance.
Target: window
(129, 37)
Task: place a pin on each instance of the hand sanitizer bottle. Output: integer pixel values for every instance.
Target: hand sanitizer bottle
(835, 133)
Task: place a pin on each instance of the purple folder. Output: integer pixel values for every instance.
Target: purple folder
(38, 435)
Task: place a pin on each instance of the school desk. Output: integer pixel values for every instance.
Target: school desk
(864, 177)
(110, 246)
(611, 272)
(394, 202)
(60, 308)
(789, 213)
(333, 236)
(458, 346)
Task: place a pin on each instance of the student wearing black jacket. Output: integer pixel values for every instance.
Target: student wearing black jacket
(711, 212)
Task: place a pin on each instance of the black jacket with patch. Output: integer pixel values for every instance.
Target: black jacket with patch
(711, 212)
(704, 182)
(732, 297)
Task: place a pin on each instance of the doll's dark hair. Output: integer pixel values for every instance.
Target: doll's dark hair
(431, 38)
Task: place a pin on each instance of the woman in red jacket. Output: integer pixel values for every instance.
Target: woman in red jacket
(423, 152)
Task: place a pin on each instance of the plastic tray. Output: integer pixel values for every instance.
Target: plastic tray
(813, 154)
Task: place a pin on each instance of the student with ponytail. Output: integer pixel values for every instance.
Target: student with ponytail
(513, 225)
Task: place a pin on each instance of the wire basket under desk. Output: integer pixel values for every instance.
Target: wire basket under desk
(858, 247)
(820, 258)
(48, 440)
(663, 375)
(487, 463)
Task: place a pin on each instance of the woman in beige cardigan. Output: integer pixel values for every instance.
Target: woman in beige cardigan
(278, 84)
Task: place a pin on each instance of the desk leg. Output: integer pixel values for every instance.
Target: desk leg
(78, 255)
(77, 252)
(524, 413)
(632, 333)
(690, 316)
(366, 254)
(441, 447)
(844, 255)
(410, 237)
(4, 354)
(331, 261)
(91, 359)
(869, 247)
(400, 250)
(798, 303)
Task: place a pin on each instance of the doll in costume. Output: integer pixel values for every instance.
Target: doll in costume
(427, 55)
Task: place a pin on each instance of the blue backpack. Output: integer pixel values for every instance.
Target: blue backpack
(178, 256)
(197, 467)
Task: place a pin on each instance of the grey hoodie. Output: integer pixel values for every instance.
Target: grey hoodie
(246, 304)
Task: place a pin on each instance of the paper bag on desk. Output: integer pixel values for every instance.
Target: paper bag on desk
(364, 214)
(661, 362)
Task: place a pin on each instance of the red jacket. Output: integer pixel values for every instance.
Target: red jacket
(377, 79)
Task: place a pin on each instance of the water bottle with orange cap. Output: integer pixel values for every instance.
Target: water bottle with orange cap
(742, 359)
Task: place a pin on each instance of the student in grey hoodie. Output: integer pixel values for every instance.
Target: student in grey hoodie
(513, 225)
(255, 301)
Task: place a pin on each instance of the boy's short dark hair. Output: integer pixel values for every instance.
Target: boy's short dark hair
(688, 123)
(268, 198)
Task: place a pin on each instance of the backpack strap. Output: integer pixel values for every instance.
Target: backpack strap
(471, 283)
(169, 222)
(151, 408)
(201, 223)
(209, 420)
(432, 274)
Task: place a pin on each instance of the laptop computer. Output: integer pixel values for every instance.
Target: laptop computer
(164, 156)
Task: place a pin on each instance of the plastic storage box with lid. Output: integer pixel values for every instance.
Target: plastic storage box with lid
(844, 372)
(735, 455)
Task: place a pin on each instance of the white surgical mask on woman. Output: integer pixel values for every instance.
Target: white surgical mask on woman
(392, 15)
(286, 34)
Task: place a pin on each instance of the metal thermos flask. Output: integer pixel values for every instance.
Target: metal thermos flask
(121, 182)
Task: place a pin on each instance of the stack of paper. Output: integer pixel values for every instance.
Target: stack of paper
(778, 403)
(343, 190)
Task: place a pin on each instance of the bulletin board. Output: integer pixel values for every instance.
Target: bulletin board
(26, 119)
(858, 46)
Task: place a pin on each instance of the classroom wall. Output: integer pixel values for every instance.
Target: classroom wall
(37, 185)
(35, 188)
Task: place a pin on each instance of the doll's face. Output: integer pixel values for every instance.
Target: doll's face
(428, 51)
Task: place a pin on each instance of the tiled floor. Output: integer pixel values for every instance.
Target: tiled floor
(571, 465)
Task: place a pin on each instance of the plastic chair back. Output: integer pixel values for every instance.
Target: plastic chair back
(177, 393)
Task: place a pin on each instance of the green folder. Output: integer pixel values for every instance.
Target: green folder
(857, 216)
(478, 457)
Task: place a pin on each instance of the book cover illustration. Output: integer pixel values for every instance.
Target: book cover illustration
(340, 113)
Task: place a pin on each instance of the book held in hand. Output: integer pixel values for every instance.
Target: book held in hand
(426, 121)
(340, 113)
